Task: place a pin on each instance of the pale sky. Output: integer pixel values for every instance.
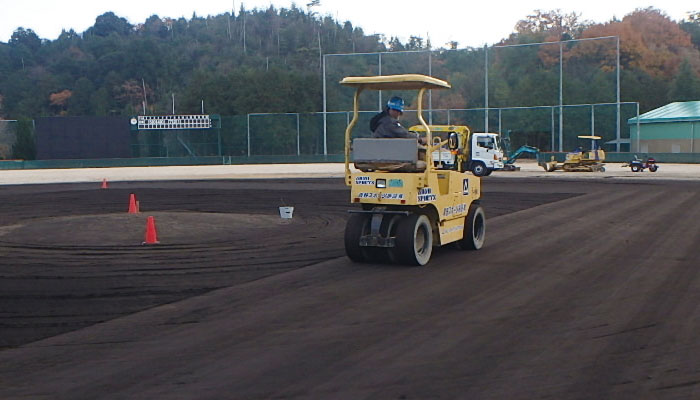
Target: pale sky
(470, 23)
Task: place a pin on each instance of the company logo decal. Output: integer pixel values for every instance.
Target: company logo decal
(363, 180)
(425, 195)
(392, 196)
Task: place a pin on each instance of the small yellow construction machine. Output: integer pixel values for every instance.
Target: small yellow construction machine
(580, 160)
(407, 205)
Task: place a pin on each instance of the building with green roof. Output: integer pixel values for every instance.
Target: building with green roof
(673, 128)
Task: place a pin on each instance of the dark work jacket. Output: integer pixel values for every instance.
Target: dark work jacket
(388, 127)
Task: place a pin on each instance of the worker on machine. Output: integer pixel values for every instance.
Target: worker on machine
(386, 123)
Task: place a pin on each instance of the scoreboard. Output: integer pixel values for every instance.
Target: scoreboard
(145, 122)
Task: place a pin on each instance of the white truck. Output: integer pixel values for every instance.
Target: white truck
(482, 156)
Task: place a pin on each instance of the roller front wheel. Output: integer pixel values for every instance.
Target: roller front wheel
(414, 240)
(355, 227)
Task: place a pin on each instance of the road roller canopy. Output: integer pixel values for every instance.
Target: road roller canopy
(441, 128)
(589, 137)
(395, 82)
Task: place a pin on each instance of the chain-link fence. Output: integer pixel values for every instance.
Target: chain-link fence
(562, 73)
(302, 134)
(184, 143)
(487, 94)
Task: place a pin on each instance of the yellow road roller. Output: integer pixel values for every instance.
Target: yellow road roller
(409, 203)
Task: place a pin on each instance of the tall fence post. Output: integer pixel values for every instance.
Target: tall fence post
(499, 121)
(248, 136)
(430, 92)
(561, 96)
(618, 95)
(298, 137)
(379, 70)
(638, 131)
(486, 88)
(325, 109)
(218, 132)
(552, 129)
(692, 137)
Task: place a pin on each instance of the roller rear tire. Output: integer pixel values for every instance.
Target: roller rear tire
(380, 254)
(474, 229)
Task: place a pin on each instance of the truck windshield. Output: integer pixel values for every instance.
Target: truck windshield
(486, 141)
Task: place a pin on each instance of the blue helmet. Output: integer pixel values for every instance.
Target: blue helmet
(395, 103)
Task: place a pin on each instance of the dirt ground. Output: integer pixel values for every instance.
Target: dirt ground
(586, 288)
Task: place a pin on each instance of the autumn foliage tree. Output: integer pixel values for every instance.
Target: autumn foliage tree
(131, 95)
(652, 50)
(649, 41)
(59, 101)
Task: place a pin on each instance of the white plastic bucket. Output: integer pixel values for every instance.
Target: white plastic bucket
(286, 212)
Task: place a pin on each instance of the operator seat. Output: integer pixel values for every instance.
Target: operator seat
(387, 154)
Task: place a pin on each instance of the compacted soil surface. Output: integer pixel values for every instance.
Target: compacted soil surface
(584, 289)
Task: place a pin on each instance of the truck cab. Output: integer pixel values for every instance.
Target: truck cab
(478, 152)
(486, 154)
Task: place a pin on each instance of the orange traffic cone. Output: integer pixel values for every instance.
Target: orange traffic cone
(151, 235)
(133, 207)
(104, 184)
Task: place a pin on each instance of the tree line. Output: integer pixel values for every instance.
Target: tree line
(269, 60)
(261, 60)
